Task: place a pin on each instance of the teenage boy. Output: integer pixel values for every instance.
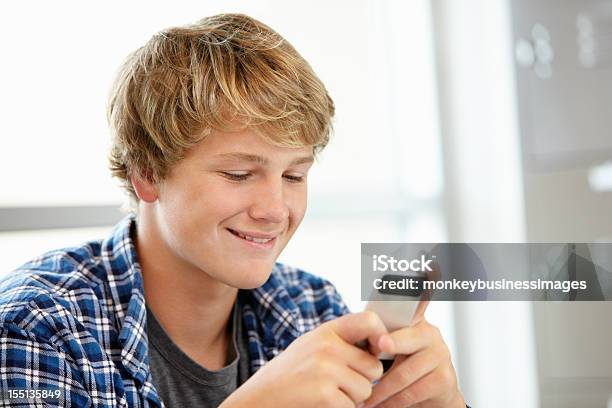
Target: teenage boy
(215, 128)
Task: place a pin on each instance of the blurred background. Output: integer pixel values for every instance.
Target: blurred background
(457, 121)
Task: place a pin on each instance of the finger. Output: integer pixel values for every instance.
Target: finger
(402, 375)
(419, 313)
(357, 387)
(364, 363)
(410, 339)
(343, 400)
(334, 396)
(358, 326)
(424, 389)
(434, 275)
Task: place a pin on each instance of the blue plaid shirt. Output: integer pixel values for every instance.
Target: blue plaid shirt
(75, 320)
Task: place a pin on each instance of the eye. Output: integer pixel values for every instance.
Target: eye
(294, 178)
(236, 176)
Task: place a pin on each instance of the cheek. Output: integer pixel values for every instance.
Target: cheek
(297, 207)
(187, 212)
(197, 196)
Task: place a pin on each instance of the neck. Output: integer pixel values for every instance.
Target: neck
(193, 308)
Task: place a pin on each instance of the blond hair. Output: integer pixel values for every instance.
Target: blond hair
(225, 72)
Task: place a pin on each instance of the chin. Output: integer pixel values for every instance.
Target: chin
(253, 277)
(252, 282)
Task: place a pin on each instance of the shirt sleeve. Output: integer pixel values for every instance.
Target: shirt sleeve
(31, 368)
(342, 307)
(337, 306)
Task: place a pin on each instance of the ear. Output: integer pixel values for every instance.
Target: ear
(145, 189)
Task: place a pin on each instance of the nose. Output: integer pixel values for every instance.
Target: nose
(269, 202)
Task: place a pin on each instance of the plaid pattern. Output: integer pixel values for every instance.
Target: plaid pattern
(75, 319)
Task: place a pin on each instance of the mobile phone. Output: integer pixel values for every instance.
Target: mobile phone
(397, 309)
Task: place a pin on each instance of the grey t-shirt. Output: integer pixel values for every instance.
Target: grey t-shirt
(181, 382)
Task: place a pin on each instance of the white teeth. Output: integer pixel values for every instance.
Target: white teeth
(259, 240)
(256, 240)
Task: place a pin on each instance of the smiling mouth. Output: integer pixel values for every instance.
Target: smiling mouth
(261, 241)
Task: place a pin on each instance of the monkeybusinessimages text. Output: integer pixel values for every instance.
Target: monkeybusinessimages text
(422, 265)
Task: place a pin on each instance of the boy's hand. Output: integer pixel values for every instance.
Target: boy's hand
(322, 368)
(422, 375)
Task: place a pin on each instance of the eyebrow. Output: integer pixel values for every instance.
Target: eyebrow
(253, 158)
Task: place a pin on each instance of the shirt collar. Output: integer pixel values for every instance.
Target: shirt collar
(277, 311)
(128, 299)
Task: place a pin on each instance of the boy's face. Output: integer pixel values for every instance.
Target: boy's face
(232, 204)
